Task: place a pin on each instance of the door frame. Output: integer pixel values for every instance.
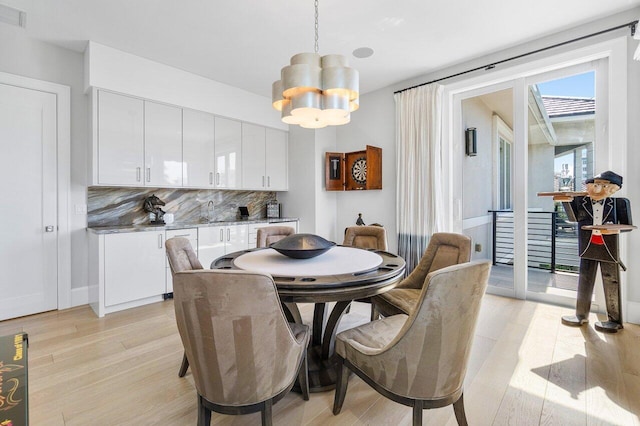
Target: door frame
(615, 50)
(63, 171)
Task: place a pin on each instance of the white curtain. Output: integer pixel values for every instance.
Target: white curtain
(419, 146)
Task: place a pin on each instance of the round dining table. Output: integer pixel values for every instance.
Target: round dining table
(340, 275)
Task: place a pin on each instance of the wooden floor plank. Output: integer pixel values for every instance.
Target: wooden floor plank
(525, 368)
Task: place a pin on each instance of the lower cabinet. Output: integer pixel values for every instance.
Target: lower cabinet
(216, 241)
(130, 269)
(127, 269)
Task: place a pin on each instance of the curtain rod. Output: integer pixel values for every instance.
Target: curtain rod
(632, 25)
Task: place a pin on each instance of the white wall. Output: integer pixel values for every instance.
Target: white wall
(23, 56)
(113, 69)
(632, 182)
(477, 177)
(306, 198)
(372, 124)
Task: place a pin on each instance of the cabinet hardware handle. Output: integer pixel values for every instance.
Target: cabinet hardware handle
(221, 234)
(148, 174)
(217, 178)
(263, 181)
(160, 241)
(181, 235)
(228, 234)
(210, 178)
(269, 181)
(137, 174)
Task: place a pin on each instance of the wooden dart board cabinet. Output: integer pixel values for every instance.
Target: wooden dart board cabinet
(354, 170)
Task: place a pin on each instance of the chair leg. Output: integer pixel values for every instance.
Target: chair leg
(417, 413)
(184, 367)
(267, 413)
(341, 386)
(458, 408)
(375, 314)
(303, 377)
(204, 414)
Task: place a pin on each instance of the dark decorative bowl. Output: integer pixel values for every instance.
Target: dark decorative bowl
(302, 246)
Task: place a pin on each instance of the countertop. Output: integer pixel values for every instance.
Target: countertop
(143, 228)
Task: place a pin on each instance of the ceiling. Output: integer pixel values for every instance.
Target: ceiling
(245, 43)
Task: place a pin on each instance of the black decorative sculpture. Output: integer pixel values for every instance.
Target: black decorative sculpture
(359, 221)
(151, 205)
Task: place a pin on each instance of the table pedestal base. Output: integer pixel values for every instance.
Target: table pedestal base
(322, 372)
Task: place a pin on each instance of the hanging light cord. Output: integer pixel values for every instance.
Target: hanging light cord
(316, 27)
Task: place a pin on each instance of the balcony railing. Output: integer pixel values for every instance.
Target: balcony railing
(552, 243)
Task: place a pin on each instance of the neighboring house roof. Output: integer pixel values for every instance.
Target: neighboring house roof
(565, 106)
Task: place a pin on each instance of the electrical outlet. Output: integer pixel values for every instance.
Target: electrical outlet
(478, 247)
(81, 208)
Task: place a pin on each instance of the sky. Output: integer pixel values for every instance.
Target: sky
(580, 85)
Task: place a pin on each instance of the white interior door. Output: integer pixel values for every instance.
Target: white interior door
(28, 217)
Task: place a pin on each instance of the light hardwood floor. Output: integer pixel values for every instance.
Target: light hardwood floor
(526, 369)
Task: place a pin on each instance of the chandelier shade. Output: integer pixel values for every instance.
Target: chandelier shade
(316, 91)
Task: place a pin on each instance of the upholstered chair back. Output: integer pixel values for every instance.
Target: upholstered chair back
(366, 237)
(241, 349)
(444, 249)
(270, 234)
(427, 358)
(181, 255)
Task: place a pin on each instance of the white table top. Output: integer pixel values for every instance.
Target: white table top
(336, 261)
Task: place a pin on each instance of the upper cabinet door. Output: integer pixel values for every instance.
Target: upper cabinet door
(253, 157)
(276, 152)
(162, 145)
(198, 149)
(120, 140)
(228, 153)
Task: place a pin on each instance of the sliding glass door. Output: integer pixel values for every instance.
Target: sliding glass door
(534, 134)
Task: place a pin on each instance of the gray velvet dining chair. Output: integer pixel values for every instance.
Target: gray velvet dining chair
(366, 237)
(444, 249)
(271, 234)
(370, 238)
(419, 360)
(244, 355)
(181, 258)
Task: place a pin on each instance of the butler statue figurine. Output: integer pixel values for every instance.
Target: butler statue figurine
(600, 218)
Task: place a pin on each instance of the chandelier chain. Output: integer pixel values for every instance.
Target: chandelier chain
(316, 26)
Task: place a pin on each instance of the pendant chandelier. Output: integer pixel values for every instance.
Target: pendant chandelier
(315, 91)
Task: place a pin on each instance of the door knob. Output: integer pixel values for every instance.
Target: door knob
(48, 228)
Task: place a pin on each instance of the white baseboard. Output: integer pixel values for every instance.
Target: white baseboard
(633, 312)
(79, 296)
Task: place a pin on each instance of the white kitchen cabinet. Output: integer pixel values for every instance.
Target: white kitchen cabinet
(253, 230)
(198, 149)
(120, 140)
(162, 145)
(264, 158)
(144, 143)
(134, 267)
(253, 156)
(139, 143)
(228, 153)
(189, 233)
(276, 160)
(216, 241)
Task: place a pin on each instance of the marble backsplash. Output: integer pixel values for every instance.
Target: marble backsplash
(124, 206)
